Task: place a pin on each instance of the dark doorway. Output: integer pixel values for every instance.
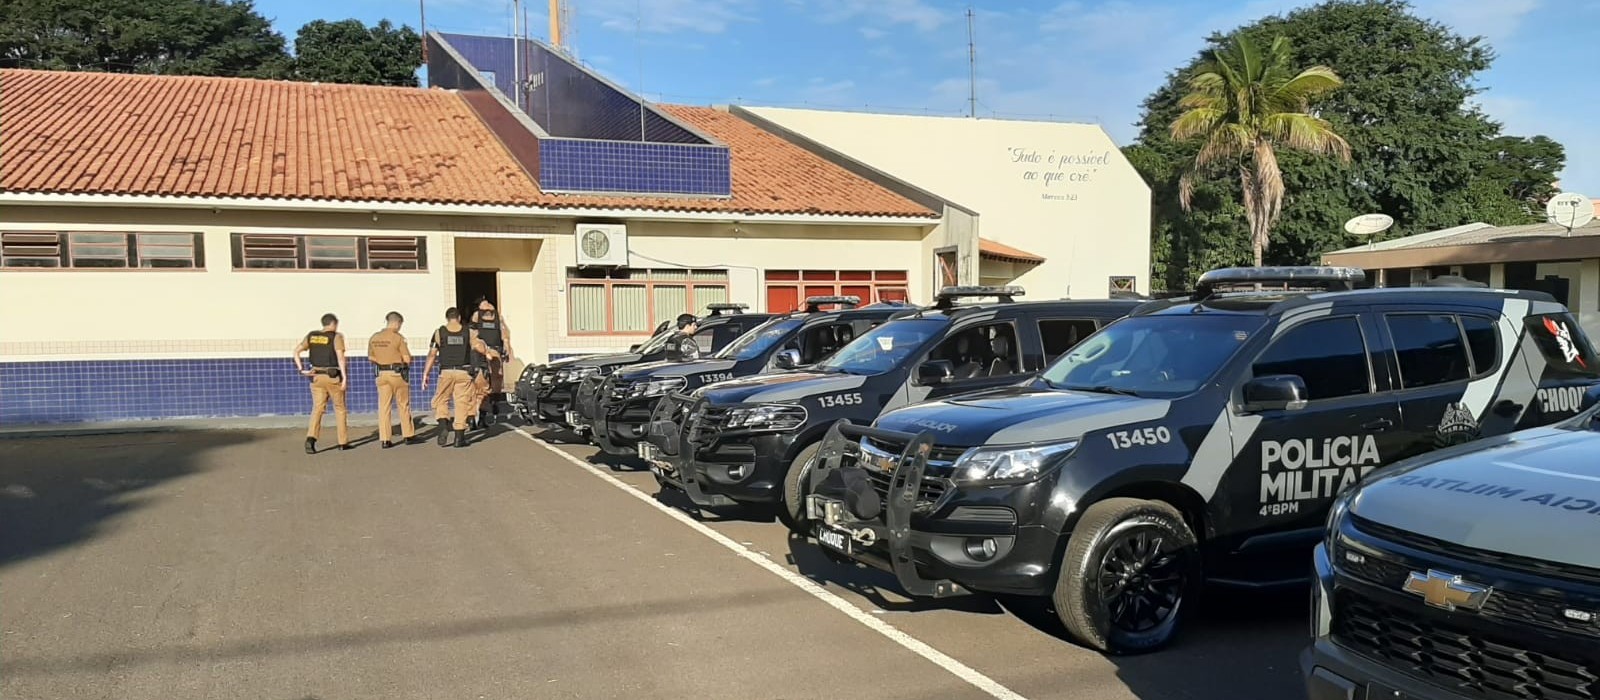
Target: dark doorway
(472, 285)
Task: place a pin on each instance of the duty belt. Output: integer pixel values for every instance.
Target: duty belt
(397, 367)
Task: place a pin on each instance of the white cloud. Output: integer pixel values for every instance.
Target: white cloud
(916, 13)
(871, 33)
(824, 92)
(1496, 19)
(668, 16)
(764, 82)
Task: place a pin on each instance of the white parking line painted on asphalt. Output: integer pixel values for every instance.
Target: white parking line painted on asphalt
(916, 646)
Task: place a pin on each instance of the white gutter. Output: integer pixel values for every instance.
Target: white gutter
(423, 208)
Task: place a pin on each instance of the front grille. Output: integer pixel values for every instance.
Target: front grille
(1515, 606)
(1427, 645)
(1456, 551)
(935, 479)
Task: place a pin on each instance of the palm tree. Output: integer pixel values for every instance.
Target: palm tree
(1243, 106)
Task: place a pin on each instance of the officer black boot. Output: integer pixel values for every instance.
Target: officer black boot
(461, 438)
(444, 434)
(386, 444)
(311, 446)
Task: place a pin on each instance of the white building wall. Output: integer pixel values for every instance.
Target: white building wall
(1062, 191)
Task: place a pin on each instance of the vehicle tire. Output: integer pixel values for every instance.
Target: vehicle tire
(792, 502)
(1128, 576)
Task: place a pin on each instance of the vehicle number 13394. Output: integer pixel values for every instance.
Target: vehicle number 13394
(1124, 439)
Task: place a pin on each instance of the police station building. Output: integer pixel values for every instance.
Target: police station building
(165, 241)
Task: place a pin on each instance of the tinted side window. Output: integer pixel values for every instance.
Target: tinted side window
(1430, 349)
(1483, 340)
(1566, 350)
(1328, 354)
(1060, 334)
(989, 350)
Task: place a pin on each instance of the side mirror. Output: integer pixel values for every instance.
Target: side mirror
(633, 348)
(1275, 392)
(935, 372)
(787, 359)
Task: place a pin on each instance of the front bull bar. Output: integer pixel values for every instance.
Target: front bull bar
(841, 450)
(672, 431)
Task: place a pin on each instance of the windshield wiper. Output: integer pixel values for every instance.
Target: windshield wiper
(1105, 389)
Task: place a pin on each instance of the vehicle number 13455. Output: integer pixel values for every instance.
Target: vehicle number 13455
(1123, 439)
(851, 399)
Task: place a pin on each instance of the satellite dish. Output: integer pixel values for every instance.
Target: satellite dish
(1369, 224)
(1569, 210)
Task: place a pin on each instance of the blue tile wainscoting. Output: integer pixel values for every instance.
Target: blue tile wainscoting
(113, 390)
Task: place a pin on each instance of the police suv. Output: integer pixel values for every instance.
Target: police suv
(1201, 437)
(615, 409)
(1469, 573)
(545, 392)
(735, 441)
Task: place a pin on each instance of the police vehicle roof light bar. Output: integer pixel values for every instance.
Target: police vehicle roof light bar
(848, 302)
(947, 296)
(730, 307)
(1333, 279)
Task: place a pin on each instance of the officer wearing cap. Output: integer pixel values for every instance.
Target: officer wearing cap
(452, 347)
(388, 353)
(325, 349)
(490, 379)
(681, 346)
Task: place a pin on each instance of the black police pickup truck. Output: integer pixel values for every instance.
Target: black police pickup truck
(1200, 438)
(545, 392)
(736, 441)
(617, 408)
(1470, 573)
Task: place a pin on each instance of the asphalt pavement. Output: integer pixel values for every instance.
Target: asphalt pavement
(230, 564)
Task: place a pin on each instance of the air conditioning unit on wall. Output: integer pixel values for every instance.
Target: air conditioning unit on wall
(602, 245)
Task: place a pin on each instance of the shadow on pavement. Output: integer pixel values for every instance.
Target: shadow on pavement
(426, 631)
(617, 463)
(58, 491)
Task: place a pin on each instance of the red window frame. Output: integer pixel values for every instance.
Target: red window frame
(872, 286)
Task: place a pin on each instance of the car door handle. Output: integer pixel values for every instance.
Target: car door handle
(1379, 424)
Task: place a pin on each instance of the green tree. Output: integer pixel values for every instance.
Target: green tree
(348, 51)
(1420, 150)
(188, 37)
(1243, 106)
(1528, 167)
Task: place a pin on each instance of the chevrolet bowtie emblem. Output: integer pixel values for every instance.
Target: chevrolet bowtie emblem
(1446, 591)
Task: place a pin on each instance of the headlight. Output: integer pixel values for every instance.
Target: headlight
(1336, 515)
(772, 416)
(655, 387)
(1009, 463)
(577, 374)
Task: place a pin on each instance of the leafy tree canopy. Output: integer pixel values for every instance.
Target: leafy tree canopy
(188, 37)
(1420, 150)
(349, 52)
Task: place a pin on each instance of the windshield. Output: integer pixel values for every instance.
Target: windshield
(884, 347)
(759, 339)
(1157, 356)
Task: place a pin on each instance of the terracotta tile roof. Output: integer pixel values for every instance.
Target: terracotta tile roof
(104, 133)
(999, 251)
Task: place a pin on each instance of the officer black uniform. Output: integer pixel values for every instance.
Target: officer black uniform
(491, 372)
(681, 347)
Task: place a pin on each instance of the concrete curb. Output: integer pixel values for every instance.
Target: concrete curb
(356, 420)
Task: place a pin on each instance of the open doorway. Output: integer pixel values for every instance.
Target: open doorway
(472, 285)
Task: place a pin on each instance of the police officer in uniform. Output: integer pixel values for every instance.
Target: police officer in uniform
(681, 346)
(452, 347)
(388, 353)
(328, 376)
(490, 380)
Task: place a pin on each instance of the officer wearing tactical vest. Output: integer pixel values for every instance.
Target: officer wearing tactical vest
(328, 375)
(490, 378)
(388, 352)
(682, 347)
(452, 347)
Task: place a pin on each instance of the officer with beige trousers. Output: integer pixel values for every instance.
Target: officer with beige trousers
(388, 353)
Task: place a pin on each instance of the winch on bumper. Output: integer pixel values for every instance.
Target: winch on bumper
(688, 449)
(621, 419)
(887, 499)
(586, 405)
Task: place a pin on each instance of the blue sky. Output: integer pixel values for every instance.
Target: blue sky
(1078, 60)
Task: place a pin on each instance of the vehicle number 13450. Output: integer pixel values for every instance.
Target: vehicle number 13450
(1124, 439)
